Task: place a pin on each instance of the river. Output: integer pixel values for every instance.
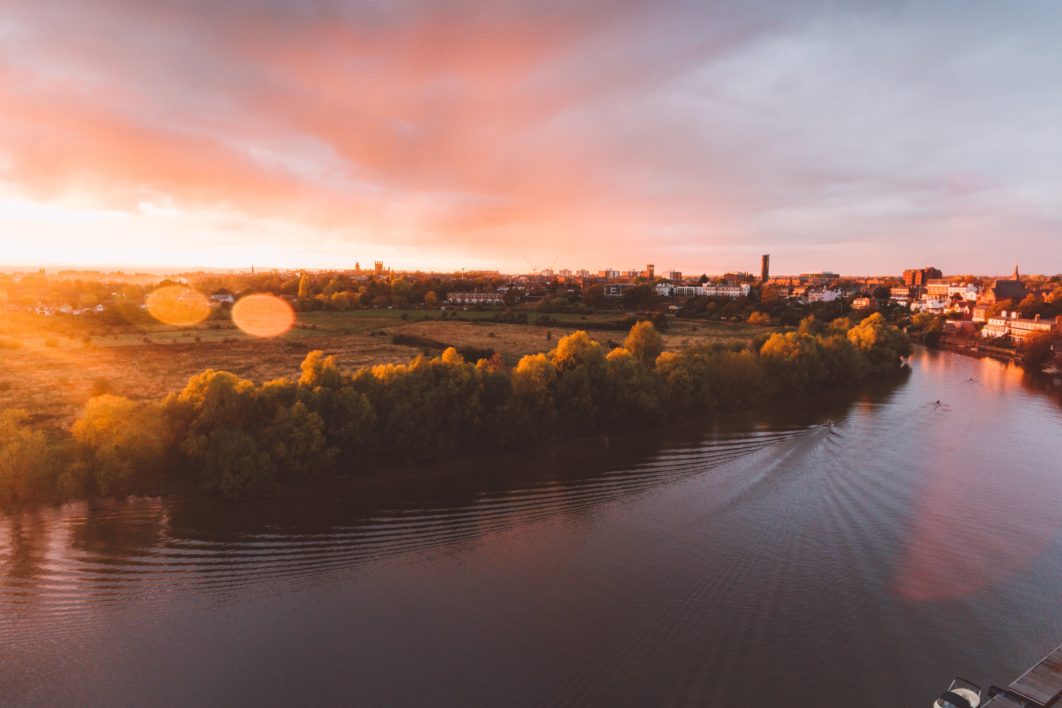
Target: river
(763, 558)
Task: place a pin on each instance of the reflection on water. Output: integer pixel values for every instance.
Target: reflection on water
(760, 559)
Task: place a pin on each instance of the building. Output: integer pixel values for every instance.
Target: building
(583, 273)
(920, 277)
(649, 272)
(723, 290)
(687, 290)
(1017, 329)
(1000, 290)
(564, 273)
(222, 297)
(903, 293)
(824, 276)
(765, 268)
(378, 268)
(934, 306)
(821, 295)
(674, 276)
(469, 298)
(617, 289)
(937, 288)
(609, 273)
(862, 303)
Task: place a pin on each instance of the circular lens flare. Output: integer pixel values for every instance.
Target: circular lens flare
(263, 315)
(178, 305)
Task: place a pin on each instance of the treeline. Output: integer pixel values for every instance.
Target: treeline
(237, 439)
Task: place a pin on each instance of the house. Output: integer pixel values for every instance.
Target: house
(862, 303)
(933, 306)
(821, 295)
(222, 297)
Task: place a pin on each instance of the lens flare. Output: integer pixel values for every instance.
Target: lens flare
(263, 315)
(178, 305)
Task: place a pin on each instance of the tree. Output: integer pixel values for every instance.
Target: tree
(759, 318)
(638, 296)
(304, 287)
(126, 443)
(811, 326)
(794, 361)
(594, 296)
(644, 342)
(1036, 350)
(882, 345)
(28, 468)
(295, 440)
(431, 299)
(633, 391)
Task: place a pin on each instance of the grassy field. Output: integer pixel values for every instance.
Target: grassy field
(52, 374)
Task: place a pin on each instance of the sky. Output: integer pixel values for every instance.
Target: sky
(858, 137)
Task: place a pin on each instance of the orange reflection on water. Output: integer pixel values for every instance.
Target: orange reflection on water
(987, 507)
(263, 315)
(178, 305)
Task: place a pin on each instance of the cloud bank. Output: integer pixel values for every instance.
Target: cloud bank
(855, 136)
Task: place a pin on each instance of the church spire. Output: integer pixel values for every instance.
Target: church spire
(1017, 276)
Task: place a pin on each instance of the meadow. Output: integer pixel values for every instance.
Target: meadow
(53, 365)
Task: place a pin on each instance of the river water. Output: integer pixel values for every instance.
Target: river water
(761, 559)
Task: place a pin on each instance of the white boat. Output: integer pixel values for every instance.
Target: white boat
(960, 694)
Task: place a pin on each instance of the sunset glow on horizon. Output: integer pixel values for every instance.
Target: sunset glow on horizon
(855, 138)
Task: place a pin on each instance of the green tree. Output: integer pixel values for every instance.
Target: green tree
(296, 443)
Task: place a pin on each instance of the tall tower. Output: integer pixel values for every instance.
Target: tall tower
(378, 266)
(765, 267)
(650, 271)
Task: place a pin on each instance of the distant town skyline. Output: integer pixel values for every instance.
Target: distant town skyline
(857, 137)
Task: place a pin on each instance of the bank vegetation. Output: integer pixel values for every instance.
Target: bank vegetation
(231, 437)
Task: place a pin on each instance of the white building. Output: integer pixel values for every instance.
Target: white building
(731, 291)
(823, 295)
(861, 303)
(934, 306)
(474, 298)
(1018, 328)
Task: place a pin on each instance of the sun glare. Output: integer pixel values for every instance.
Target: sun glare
(263, 315)
(178, 305)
